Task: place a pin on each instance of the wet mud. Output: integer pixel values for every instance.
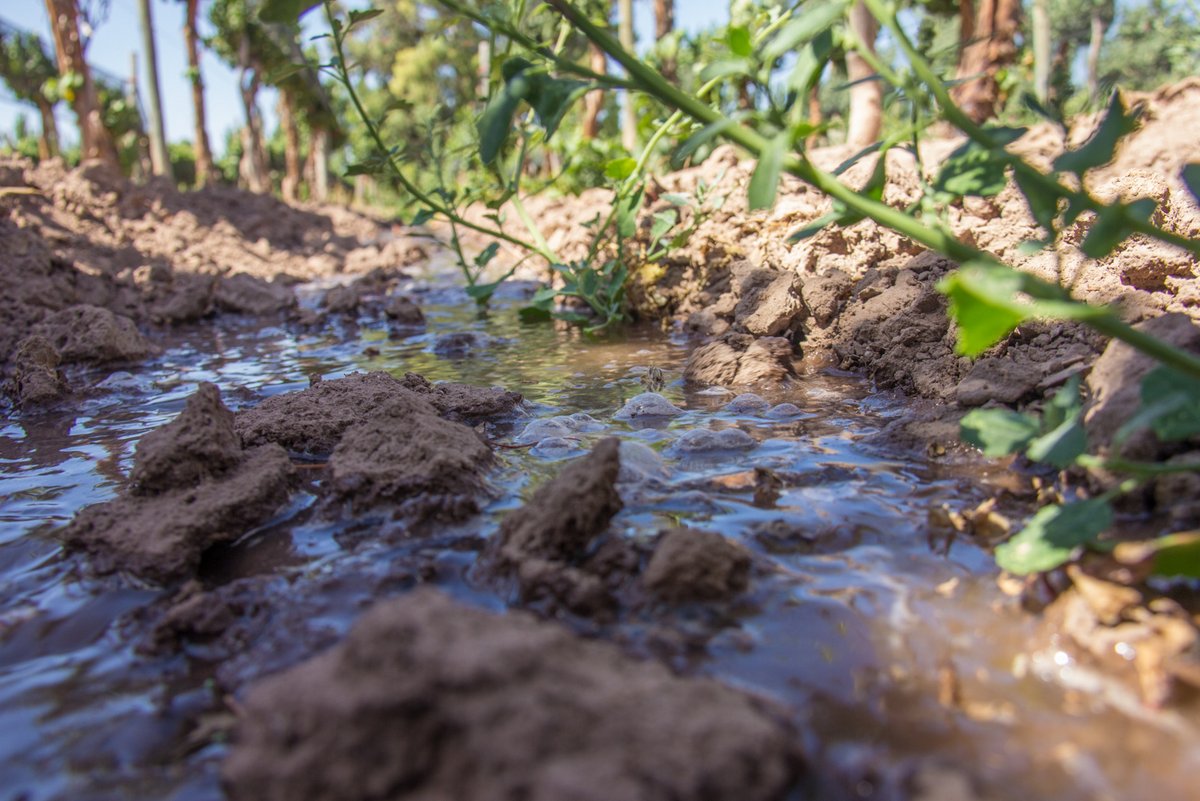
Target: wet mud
(285, 517)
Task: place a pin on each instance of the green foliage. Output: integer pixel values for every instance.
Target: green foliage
(448, 150)
(26, 66)
(1053, 536)
(1155, 43)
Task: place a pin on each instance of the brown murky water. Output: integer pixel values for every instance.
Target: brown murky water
(903, 666)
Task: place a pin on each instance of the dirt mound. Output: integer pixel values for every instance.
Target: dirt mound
(158, 256)
(36, 379)
(463, 402)
(313, 421)
(740, 360)
(195, 487)
(427, 698)
(692, 565)
(200, 443)
(544, 545)
(404, 453)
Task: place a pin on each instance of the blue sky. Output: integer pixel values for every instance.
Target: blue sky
(114, 41)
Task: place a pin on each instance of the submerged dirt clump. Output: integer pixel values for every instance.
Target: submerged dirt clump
(407, 455)
(89, 334)
(693, 565)
(544, 544)
(465, 403)
(430, 699)
(200, 443)
(195, 487)
(36, 379)
(313, 420)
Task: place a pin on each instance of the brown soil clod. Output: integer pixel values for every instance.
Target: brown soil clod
(313, 421)
(200, 443)
(741, 359)
(36, 379)
(406, 454)
(544, 544)
(430, 699)
(195, 488)
(91, 334)
(693, 565)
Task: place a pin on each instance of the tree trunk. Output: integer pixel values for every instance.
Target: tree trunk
(593, 102)
(664, 25)
(318, 165)
(48, 141)
(253, 167)
(866, 96)
(625, 33)
(160, 161)
(815, 116)
(205, 170)
(966, 25)
(990, 47)
(96, 139)
(1041, 50)
(1093, 54)
(290, 187)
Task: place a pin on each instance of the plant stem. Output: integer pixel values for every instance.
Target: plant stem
(409, 186)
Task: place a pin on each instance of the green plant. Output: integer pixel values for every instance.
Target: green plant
(778, 65)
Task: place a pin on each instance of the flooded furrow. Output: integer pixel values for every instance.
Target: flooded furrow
(903, 667)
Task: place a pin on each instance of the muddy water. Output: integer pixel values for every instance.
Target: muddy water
(903, 667)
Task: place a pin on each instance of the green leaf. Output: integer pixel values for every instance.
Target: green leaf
(663, 222)
(1100, 148)
(1113, 226)
(816, 19)
(816, 226)
(986, 300)
(998, 432)
(678, 199)
(980, 302)
(764, 183)
(620, 169)
(1191, 179)
(875, 184)
(496, 121)
(698, 139)
(286, 71)
(1177, 398)
(810, 64)
(372, 167)
(483, 257)
(727, 68)
(1061, 446)
(552, 97)
(531, 314)
(1065, 405)
(1176, 554)
(975, 170)
(362, 15)
(286, 10)
(627, 214)
(1053, 534)
(423, 216)
(738, 39)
